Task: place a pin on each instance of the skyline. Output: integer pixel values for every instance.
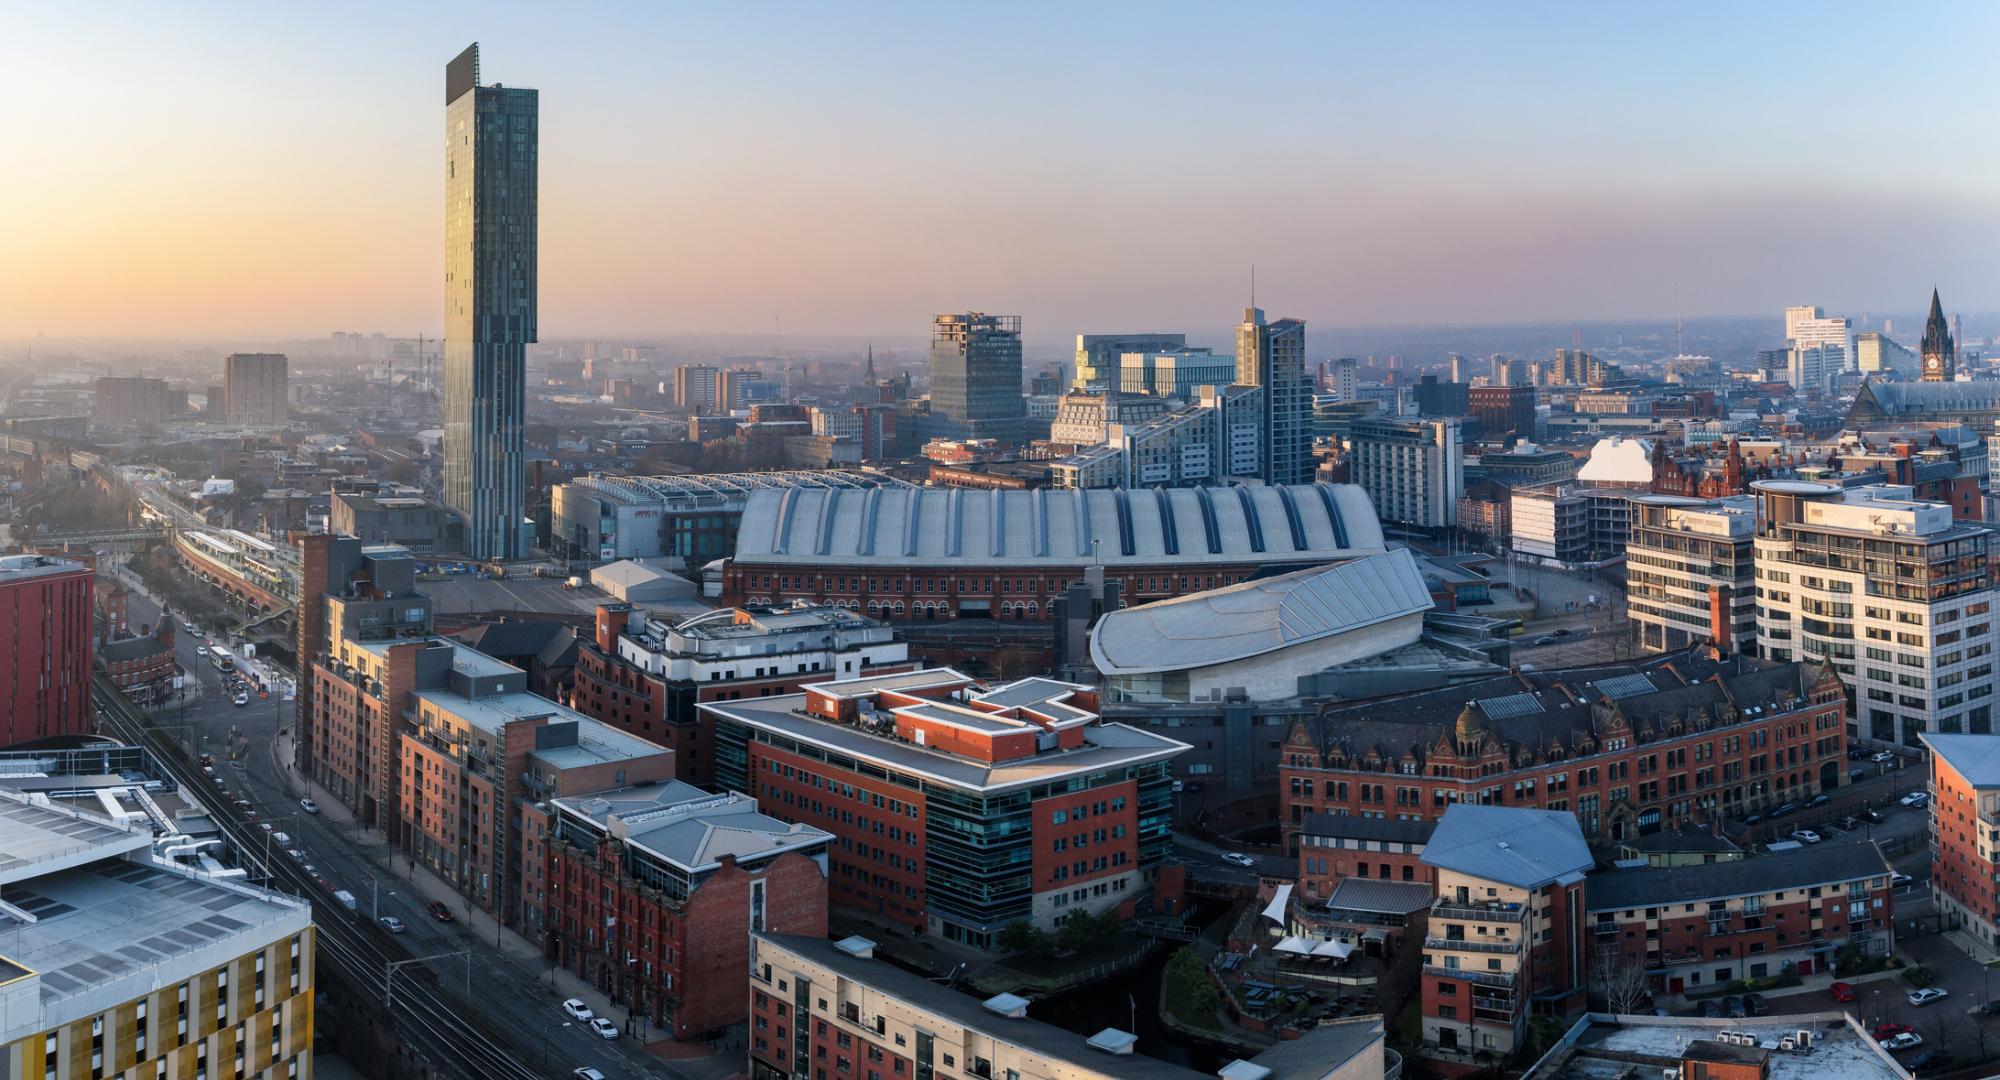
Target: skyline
(851, 177)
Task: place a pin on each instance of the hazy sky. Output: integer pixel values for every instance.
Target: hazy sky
(201, 169)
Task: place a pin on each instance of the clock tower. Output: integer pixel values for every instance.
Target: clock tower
(1940, 355)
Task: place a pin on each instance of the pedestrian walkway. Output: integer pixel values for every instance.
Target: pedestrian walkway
(1972, 946)
(696, 1060)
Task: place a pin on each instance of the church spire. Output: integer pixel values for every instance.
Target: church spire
(1940, 354)
(869, 377)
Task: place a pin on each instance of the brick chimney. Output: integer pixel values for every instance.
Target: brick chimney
(611, 619)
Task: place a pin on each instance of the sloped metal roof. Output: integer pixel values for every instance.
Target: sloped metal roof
(1512, 845)
(1256, 617)
(1974, 757)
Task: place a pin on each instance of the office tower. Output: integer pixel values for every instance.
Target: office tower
(1503, 412)
(118, 963)
(1512, 372)
(732, 388)
(253, 385)
(1346, 378)
(1807, 326)
(45, 635)
(1939, 352)
(1688, 573)
(1413, 470)
(1174, 373)
(1436, 398)
(1457, 368)
(694, 388)
(1273, 356)
(1876, 353)
(491, 136)
(1097, 354)
(976, 377)
(1889, 591)
(1813, 367)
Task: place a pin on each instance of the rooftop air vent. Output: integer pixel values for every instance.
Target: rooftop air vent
(1009, 1005)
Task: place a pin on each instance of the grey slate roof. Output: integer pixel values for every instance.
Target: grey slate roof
(1374, 894)
(949, 526)
(1975, 757)
(689, 827)
(1821, 864)
(1512, 845)
(1262, 616)
(1356, 827)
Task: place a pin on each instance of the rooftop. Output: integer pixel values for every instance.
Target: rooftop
(1974, 757)
(1817, 864)
(689, 827)
(1257, 617)
(18, 568)
(938, 526)
(1376, 895)
(1602, 1047)
(1512, 845)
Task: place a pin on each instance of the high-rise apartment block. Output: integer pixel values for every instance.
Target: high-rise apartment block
(1690, 572)
(114, 963)
(1877, 353)
(492, 134)
(45, 638)
(254, 385)
(1216, 436)
(1346, 378)
(1965, 784)
(1413, 470)
(959, 810)
(1272, 355)
(1888, 591)
(695, 388)
(1814, 367)
(117, 402)
(976, 377)
(1807, 326)
(1098, 355)
(1174, 373)
(732, 388)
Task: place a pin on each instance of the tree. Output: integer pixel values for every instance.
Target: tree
(1190, 990)
(1619, 981)
(1020, 937)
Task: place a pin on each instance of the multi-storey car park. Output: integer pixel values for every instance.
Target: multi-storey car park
(958, 810)
(599, 518)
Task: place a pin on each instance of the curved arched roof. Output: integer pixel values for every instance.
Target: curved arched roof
(952, 526)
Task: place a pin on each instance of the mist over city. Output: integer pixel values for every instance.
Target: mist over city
(1033, 542)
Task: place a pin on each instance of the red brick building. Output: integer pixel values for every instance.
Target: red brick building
(46, 627)
(142, 666)
(1696, 735)
(941, 793)
(646, 676)
(1965, 793)
(1696, 927)
(652, 894)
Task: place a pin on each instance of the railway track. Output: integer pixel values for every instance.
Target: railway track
(461, 1043)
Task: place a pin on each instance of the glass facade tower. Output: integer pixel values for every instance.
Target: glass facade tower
(1273, 355)
(491, 136)
(976, 375)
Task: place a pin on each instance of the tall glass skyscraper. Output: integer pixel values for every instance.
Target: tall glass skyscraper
(1273, 356)
(491, 133)
(976, 376)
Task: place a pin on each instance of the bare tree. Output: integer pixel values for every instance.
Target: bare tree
(1620, 982)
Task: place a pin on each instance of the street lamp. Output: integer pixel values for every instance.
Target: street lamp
(545, 1041)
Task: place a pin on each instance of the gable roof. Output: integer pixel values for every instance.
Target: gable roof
(1513, 845)
(1824, 864)
(1975, 757)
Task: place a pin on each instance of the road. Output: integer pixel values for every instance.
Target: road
(513, 997)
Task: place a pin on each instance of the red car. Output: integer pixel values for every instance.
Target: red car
(438, 911)
(1888, 1031)
(1842, 991)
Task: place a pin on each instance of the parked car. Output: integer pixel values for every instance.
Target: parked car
(586, 1073)
(1562, 632)
(393, 924)
(1900, 878)
(1820, 799)
(1855, 776)
(1927, 995)
(1915, 799)
(1753, 819)
(1733, 1007)
(297, 855)
(1855, 753)
(1872, 815)
(577, 1010)
(1709, 1010)
(1841, 991)
(605, 1029)
(1547, 639)
(309, 806)
(1883, 758)
(1755, 1005)
(1902, 1040)
(438, 911)
(1238, 858)
(1805, 836)
(1929, 1059)
(1783, 809)
(1991, 1008)
(1887, 1030)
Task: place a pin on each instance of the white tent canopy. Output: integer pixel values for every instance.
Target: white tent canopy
(1275, 910)
(1339, 950)
(1297, 945)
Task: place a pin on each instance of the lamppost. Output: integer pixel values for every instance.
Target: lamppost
(545, 1041)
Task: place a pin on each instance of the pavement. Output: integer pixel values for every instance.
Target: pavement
(508, 977)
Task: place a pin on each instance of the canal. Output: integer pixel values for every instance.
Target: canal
(1130, 1002)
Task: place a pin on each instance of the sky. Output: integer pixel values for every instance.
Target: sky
(203, 169)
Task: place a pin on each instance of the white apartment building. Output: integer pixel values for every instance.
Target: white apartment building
(1414, 470)
(1084, 419)
(1891, 592)
(841, 423)
(1806, 326)
(1217, 436)
(1689, 572)
(735, 643)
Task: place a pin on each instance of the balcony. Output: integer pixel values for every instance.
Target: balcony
(1471, 945)
(1478, 912)
(1502, 979)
